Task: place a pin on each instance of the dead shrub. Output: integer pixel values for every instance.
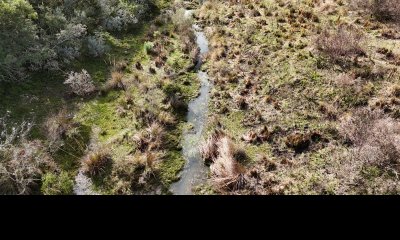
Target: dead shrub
(22, 167)
(22, 162)
(386, 10)
(375, 139)
(344, 42)
(383, 10)
(80, 83)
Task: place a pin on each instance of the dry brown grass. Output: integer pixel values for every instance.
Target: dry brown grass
(116, 81)
(57, 126)
(96, 162)
(150, 138)
(226, 171)
(224, 157)
(209, 149)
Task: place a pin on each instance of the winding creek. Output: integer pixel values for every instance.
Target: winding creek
(195, 172)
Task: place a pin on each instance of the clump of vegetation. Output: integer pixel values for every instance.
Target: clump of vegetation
(225, 160)
(299, 142)
(96, 162)
(57, 184)
(80, 83)
(375, 145)
(150, 138)
(97, 46)
(344, 42)
(57, 127)
(116, 81)
(22, 162)
(209, 149)
(226, 170)
(52, 35)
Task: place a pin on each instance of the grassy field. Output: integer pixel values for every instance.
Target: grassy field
(287, 74)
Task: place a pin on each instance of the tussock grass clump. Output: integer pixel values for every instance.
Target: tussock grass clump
(96, 162)
(116, 81)
(299, 142)
(224, 158)
(57, 126)
(150, 138)
(226, 171)
(259, 136)
(344, 42)
(209, 149)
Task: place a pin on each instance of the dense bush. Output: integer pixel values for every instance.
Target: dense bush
(96, 45)
(53, 33)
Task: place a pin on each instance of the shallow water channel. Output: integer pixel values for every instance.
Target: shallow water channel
(194, 171)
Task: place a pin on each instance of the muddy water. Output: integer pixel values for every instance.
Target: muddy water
(194, 171)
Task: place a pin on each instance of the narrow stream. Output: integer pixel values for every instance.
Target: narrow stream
(83, 185)
(194, 171)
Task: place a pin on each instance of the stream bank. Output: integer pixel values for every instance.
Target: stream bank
(195, 172)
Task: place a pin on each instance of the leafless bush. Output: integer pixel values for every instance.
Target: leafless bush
(383, 10)
(80, 83)
(376, 139)
(386, 10)
(8, 134)
(22, 162)
(346, 41)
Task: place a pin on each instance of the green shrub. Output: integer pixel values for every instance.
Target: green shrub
(148, 47)
(57, 184)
